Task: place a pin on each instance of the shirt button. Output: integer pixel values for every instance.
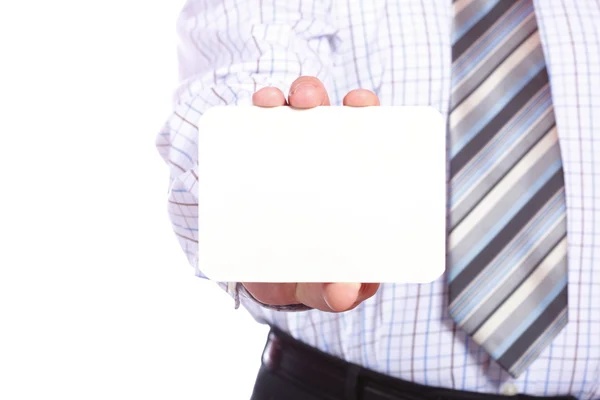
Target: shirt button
(509, 389)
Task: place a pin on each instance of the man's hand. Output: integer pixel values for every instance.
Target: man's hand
(309, 92)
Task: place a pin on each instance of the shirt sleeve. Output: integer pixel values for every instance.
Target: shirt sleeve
(229, 49)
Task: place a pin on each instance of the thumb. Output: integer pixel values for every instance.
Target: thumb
(333, 297)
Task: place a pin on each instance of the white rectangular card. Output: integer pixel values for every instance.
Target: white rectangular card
(332, 194)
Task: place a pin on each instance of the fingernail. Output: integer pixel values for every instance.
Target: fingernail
(303, 86)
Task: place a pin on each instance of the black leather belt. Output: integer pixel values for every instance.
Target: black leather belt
(330, 378)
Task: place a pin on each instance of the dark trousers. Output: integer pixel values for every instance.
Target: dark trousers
(291, 370)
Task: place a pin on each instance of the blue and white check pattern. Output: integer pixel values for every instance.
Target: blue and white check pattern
(402, 51)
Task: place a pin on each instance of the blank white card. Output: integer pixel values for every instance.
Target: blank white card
(332, 194)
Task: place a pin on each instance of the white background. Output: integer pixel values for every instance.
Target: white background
(97, 300)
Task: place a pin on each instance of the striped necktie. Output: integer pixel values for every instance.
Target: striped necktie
(507, 247)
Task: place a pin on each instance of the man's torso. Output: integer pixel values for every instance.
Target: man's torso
(402, 51)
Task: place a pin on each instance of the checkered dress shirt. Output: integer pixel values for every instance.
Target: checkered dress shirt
(401, 50)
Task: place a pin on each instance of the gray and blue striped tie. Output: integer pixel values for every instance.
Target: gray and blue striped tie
(507, 248)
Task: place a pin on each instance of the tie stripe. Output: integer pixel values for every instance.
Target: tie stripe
(522, 352)
(498, 152)
(483, 296)
(502, 39)
(515, 310)
(478, 17)
(467, 13)
(507, 207)
(477, 110)
(507, 250)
